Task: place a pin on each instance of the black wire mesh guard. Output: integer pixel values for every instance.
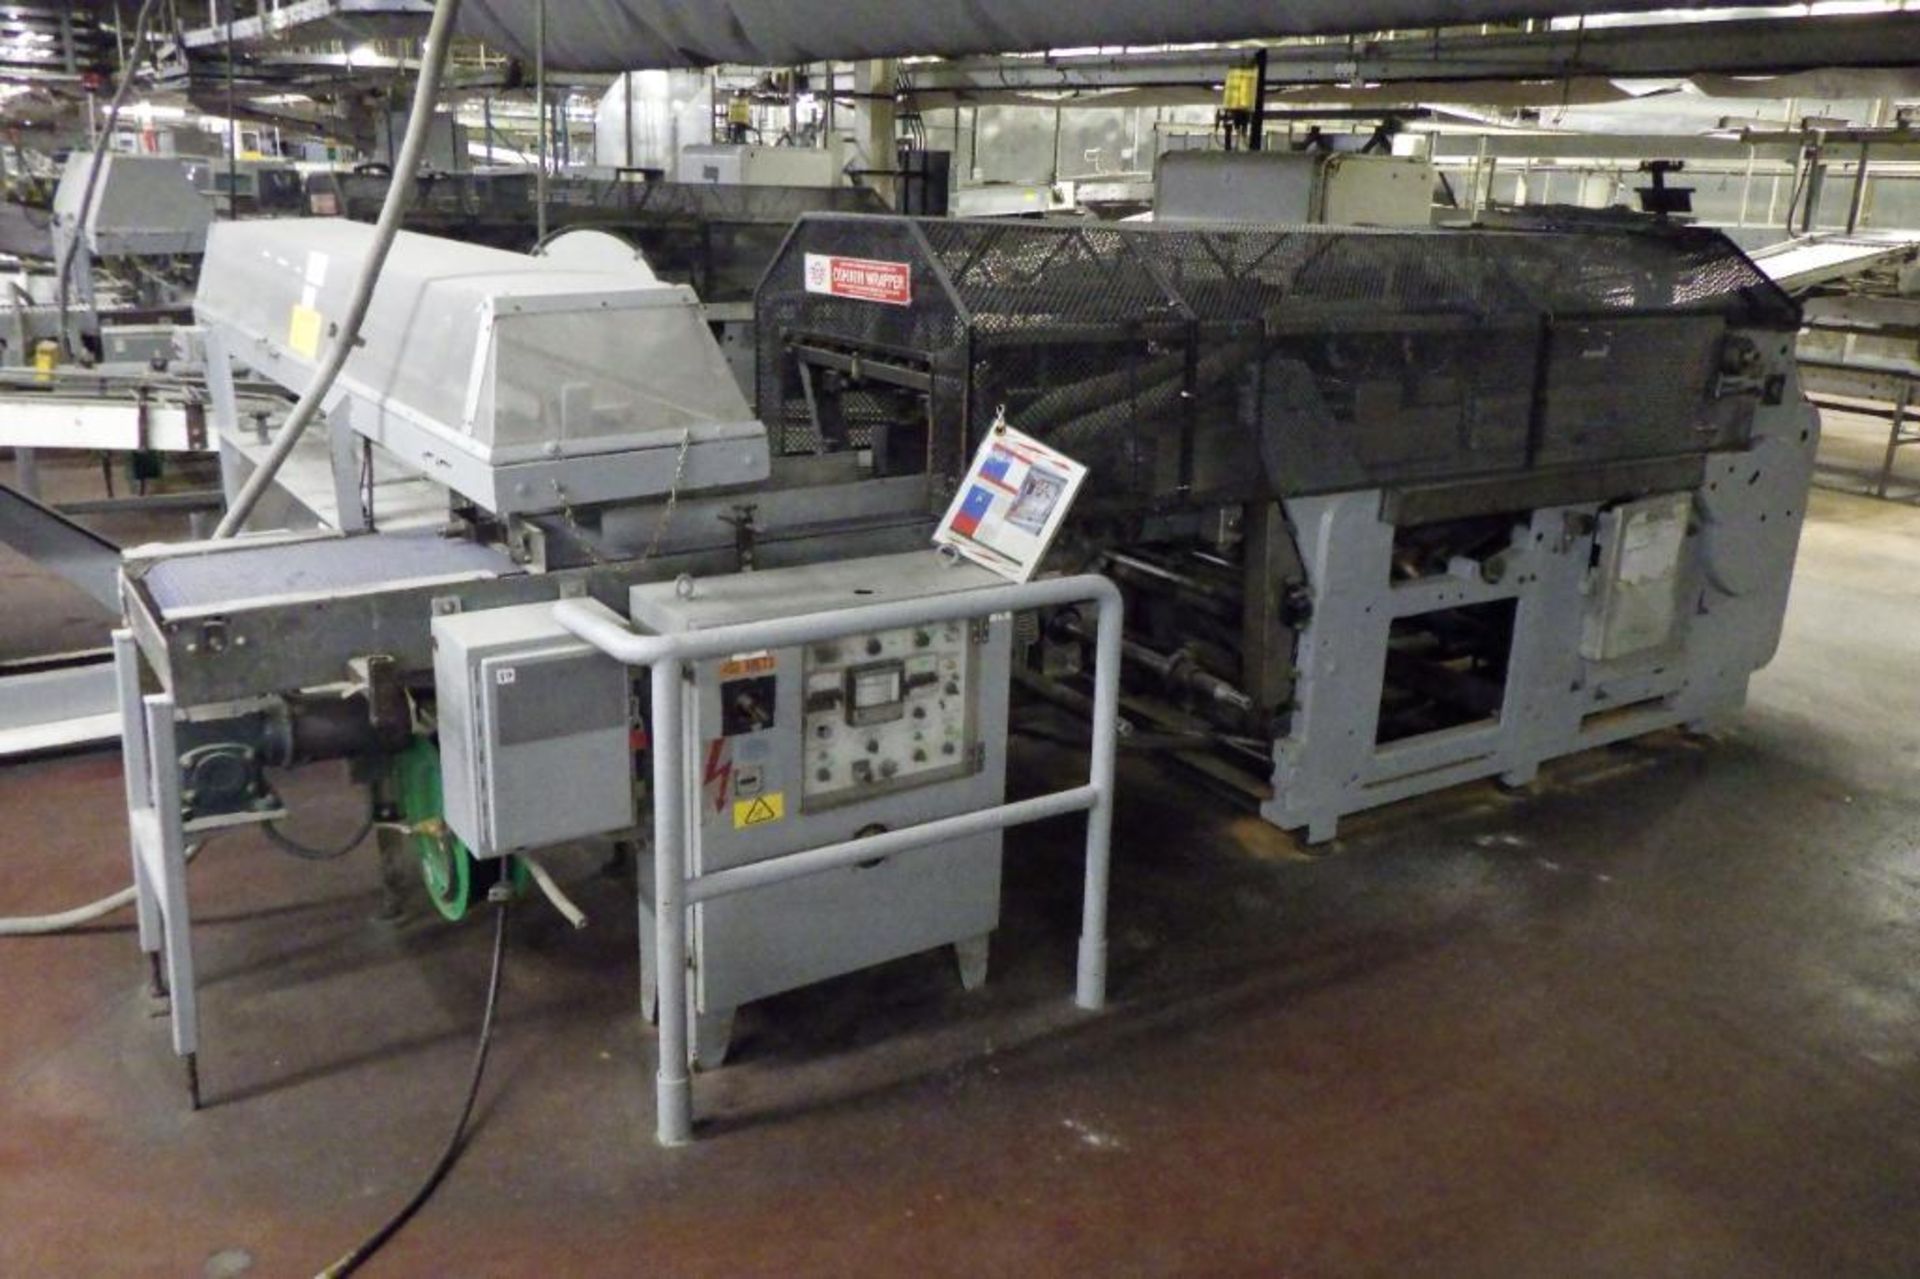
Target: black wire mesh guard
(1199, 365)
(718, 239)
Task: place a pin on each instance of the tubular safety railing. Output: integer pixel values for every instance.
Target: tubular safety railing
(675, 892)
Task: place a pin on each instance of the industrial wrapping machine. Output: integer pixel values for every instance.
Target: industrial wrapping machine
(1384, 511)
(1358, 484)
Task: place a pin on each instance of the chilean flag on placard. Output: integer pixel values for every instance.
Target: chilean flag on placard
(967, 519)
(996, 468)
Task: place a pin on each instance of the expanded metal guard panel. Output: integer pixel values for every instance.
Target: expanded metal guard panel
(1188, 364)
(718, 239)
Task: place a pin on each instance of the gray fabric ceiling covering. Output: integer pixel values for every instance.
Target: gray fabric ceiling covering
(617, 35)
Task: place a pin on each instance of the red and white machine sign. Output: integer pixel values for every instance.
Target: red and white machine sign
(863, 279)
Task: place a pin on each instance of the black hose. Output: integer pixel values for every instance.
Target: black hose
(306, 852)
(353, 1260)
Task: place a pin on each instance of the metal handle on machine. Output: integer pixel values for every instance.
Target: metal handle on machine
(666, 657)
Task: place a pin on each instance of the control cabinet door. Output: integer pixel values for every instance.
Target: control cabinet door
(805, 747)
(557, 759)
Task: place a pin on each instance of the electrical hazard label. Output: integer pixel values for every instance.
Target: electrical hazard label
(761, 810)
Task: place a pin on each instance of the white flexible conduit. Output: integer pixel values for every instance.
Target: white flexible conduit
(347, 334)
(41, 925)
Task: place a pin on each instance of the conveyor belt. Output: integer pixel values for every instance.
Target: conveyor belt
(58, 544)
(324, 566)
(1799, 264)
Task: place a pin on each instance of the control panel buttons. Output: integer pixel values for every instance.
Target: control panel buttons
(887, 710)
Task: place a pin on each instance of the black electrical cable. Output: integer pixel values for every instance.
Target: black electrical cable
(354, 1259)
(306, 852)
(1793, 200)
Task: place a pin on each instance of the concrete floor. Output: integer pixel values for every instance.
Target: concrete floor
(1661, 1016)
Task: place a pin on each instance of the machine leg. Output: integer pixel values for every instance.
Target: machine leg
(712, 1037)
(139, 785)
(170, 865)
(394, 876)
(1894, 433)
(1520, 777)
(971, 955)
(1321, 830)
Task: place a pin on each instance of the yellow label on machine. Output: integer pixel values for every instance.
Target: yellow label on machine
(303, 332)
(761, 810)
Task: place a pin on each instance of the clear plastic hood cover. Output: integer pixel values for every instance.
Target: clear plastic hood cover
(506, 356)
(618, 35)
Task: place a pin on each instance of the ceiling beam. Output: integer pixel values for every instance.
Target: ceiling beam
(1758, 46)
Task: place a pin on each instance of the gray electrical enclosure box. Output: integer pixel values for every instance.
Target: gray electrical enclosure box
(1292, 187)
(797, 748)
(535, 726)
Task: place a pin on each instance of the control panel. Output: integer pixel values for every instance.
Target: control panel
(800, 746)
(888, 710)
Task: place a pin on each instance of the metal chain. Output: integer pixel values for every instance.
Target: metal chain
(659, 528)
(673, 496)
(573, 525)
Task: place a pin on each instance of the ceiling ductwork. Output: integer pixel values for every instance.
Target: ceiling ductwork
(614, 35)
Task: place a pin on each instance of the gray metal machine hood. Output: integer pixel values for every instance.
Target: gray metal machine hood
(616, 35)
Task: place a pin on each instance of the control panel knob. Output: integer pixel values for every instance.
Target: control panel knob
(921, 639)
(888, 768)
(919, 757)
(873, 745)
(873, 646)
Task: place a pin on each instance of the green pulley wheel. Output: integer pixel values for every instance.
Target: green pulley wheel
(446, 864)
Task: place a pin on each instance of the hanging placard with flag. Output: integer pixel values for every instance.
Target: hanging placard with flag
(1012, 501)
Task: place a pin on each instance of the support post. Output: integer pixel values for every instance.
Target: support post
(1858, 200)
(673, 1085)
(874, 124)
(540, 92)
(1090, 981)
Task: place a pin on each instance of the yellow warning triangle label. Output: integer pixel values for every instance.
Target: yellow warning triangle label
(760, 810)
